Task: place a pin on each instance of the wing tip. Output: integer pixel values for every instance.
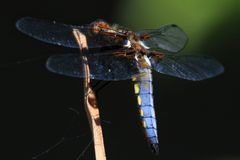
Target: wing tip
(208, 67)
(48, 64)
(54, 64)
(219, 69)
(20, 22)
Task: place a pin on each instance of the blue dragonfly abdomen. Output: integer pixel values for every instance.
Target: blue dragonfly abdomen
(144, 92)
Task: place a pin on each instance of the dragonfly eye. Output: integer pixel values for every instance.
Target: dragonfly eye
(99, 26)
(95, 29)
(127, 43)
(102, 24)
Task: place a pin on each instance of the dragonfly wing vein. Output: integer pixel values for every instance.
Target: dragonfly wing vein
(103, 67)
(58, 33)
(188, 67)
(168, 38)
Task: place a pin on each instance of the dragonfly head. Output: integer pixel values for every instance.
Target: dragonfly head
(98, 26)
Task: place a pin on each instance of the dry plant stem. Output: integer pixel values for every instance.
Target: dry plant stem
(90, 102)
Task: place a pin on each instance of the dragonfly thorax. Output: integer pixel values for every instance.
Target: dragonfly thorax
(134, 42)
(142, 60)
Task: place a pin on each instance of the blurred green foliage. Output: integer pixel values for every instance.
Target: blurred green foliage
(198, 18)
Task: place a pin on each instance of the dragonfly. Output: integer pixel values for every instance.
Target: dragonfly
(117, 53)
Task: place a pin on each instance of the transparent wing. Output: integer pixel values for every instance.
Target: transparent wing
(104, 67)
(57, 33)
(168, 38)
(193, 68)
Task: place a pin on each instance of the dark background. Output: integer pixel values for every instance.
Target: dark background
(196, 120)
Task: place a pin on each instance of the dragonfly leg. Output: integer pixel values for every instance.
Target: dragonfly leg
(97, 87)
(96, 84)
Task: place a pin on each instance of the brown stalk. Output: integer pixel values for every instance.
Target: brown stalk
(90, 101)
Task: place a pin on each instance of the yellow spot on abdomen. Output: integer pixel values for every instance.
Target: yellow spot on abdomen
(139, 100)
(144, 124)
(134, 79)
(136, 88)
(141, 112)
